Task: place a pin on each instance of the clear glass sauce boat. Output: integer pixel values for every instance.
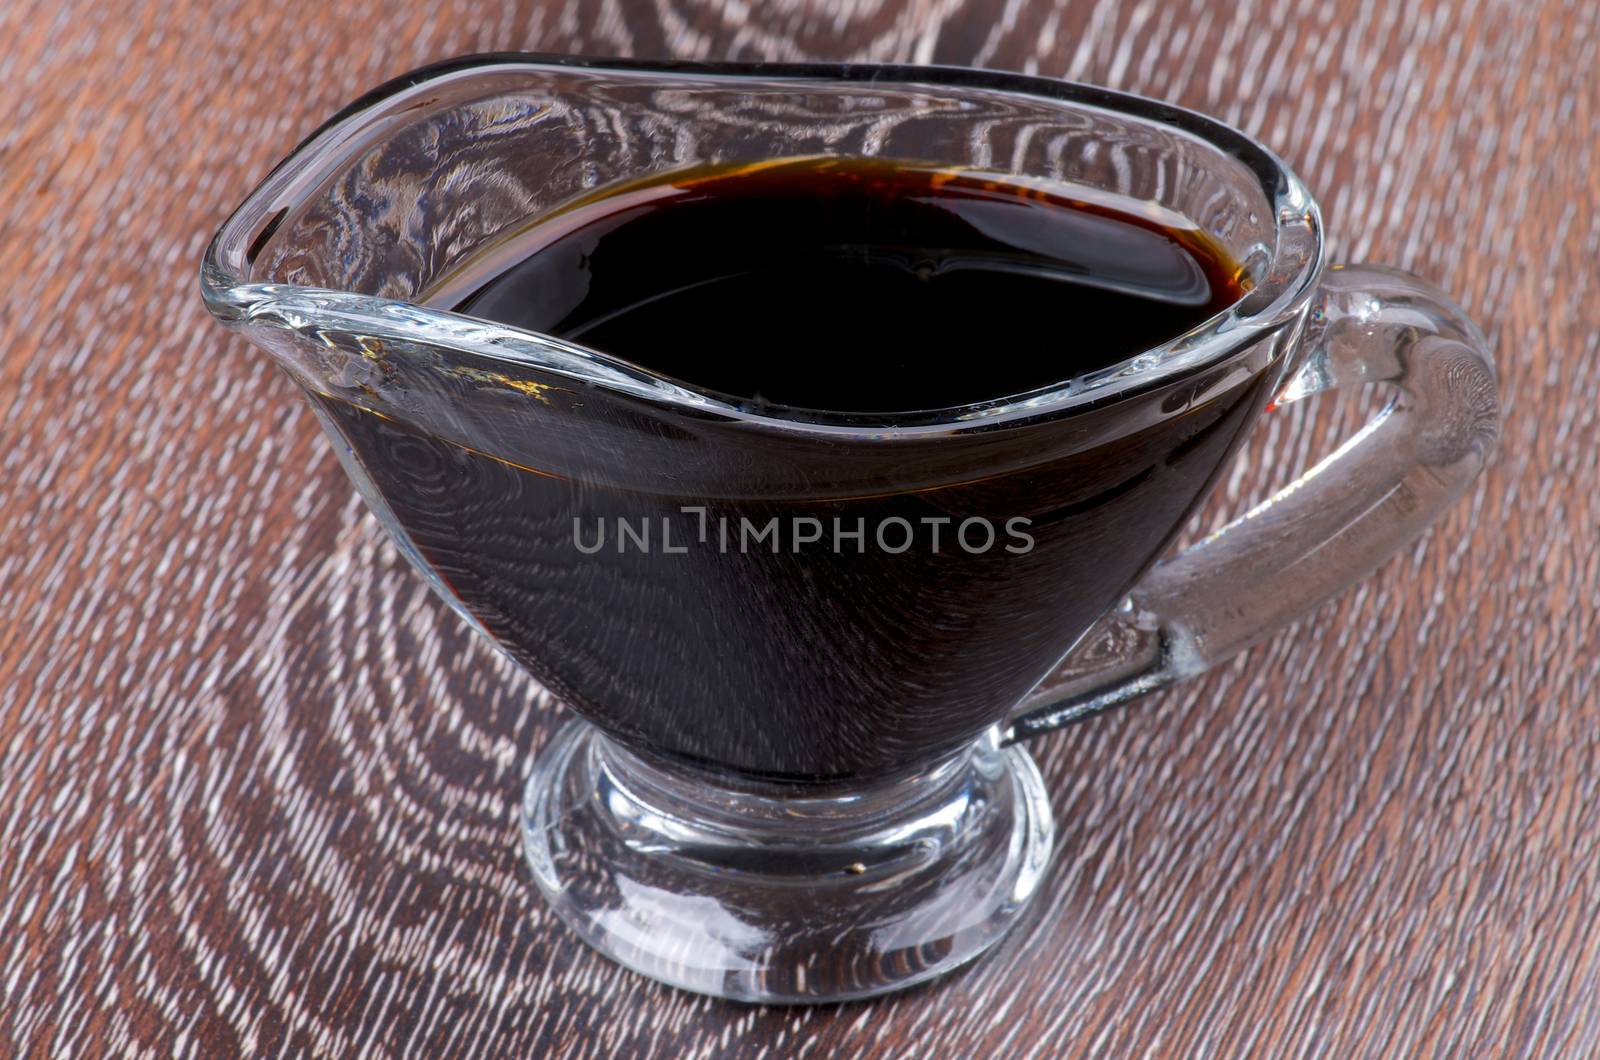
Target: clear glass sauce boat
(787, 783)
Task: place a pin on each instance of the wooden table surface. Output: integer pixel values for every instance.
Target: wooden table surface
(258, 790)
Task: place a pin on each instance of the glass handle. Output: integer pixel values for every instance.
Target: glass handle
(1330, 527)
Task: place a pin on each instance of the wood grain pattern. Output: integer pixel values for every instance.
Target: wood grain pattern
(258, 789)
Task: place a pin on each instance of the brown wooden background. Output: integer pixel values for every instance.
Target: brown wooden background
(258, 790)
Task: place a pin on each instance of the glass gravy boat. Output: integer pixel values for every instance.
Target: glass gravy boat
(794, 778)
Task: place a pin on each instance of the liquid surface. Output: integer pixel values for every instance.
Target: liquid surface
(851, 285)
(600, 538)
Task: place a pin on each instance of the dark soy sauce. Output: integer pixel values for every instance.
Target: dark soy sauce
(852, 285)
(846, 286)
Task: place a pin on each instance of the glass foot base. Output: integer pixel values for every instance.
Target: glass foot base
(773, 893)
